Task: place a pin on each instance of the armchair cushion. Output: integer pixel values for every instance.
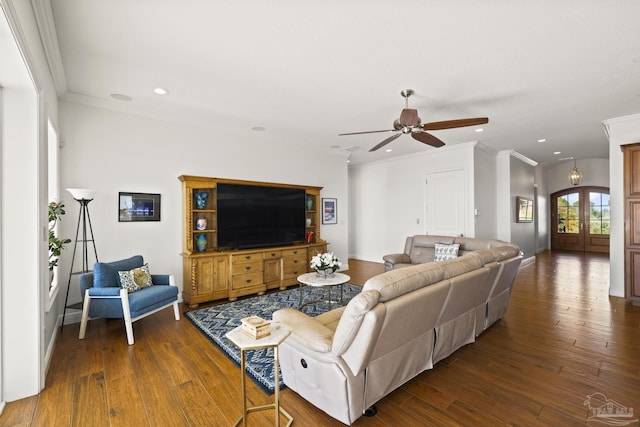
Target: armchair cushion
(136, 279)
(105, 274)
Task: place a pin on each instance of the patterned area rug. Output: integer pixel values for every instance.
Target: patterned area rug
(216, 321)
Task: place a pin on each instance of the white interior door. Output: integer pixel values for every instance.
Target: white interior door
(445, 203)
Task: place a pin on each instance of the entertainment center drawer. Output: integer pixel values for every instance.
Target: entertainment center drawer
(272, 254)
(241, 258)
(293, 267)
(247, 267)
(294, 252)
(246, 280)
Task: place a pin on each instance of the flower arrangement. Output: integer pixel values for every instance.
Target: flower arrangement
(326, 262)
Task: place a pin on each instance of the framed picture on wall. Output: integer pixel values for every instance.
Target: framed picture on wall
(138, 207)
(524, 209)
(329, 211)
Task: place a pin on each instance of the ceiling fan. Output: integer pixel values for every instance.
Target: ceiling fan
(409, 123)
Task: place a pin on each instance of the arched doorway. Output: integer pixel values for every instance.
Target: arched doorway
(581, 219)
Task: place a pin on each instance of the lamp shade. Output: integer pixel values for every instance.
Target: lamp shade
(82, 193)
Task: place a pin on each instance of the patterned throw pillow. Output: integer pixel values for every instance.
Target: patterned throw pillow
(136, 279)
(444, 252)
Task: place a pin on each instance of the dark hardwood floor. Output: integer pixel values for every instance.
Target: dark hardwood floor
(562, 339)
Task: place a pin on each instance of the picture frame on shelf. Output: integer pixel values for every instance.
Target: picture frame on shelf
(134, 207)
(329, 211)
(524, 209)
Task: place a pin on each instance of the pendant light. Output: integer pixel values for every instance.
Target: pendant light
(575, 177)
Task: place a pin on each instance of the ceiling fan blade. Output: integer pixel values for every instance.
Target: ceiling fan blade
(386, 141)
(368, 131)
(409, 117)
(450, 124)
(427, 138)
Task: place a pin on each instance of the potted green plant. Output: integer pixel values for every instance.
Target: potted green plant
(56, 244)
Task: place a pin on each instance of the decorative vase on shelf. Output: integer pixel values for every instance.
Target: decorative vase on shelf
(309, 203)
(308, 222)
(201, 223)
(201, 199)
(201, 242)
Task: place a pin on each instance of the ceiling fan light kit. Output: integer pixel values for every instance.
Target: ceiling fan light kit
(410, 123)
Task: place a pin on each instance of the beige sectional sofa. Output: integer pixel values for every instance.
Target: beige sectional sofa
(421, 248)
(401, 324)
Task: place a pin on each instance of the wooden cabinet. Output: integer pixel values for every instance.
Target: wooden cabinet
(212, 273)
(632, 221)
(205, 278)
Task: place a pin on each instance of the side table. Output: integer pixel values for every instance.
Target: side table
(244, 343)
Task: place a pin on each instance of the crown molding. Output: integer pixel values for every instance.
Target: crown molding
(518, 156)
(49, 39)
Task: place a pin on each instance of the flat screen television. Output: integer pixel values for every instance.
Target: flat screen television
(253, 216)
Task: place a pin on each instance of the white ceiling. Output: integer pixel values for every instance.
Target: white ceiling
(309, 70)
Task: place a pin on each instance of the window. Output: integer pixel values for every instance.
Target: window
(600, 213)
(569, 213)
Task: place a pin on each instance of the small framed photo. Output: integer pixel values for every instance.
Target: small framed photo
(138, 207)
(329, 211)
(524, 209)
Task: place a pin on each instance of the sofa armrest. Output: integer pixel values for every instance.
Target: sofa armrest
(305, 330)
(397, 259)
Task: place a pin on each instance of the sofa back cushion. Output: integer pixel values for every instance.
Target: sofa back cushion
(422, 247)
(105, 274)
(394, 283)
(460, 265)
(505, 252)
(352, 318)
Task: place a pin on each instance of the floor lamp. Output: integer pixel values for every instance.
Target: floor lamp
(82, 196)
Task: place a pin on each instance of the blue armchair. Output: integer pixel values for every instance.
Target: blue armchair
(104, 296)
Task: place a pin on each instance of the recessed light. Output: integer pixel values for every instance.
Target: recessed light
(388, 150)
(258, 129)
(542, 140)
(557, 152)
(161, 91)
(121, 97)
(479, 130)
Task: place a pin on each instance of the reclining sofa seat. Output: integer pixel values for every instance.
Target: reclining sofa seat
(401, 324)
(420, 249)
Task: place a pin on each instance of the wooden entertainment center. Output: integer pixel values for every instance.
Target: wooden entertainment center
(217, 273)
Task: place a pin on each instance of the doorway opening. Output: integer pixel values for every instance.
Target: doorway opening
(581, 219)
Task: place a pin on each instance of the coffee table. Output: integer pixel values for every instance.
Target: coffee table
(317, 280)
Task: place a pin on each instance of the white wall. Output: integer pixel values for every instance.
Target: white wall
(111, 151)
(621, 130)
(595, 172)
(542, 213)
(27, 329)
(485, 193)
(387, 199)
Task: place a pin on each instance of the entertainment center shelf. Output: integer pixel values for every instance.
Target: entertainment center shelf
(212, 271)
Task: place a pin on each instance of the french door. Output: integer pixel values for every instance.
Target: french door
(581, 219)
